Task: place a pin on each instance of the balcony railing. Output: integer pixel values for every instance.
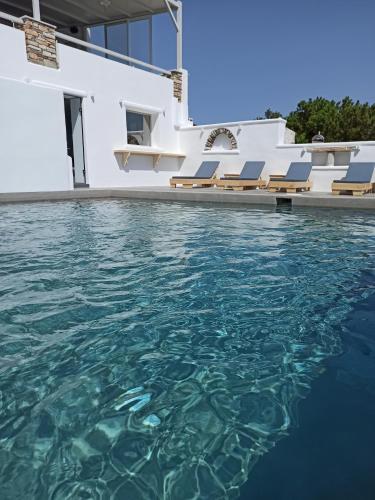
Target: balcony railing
(11, 19)
(111, 53)
(92, 47)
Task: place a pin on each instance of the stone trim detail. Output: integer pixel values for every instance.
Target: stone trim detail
(176, 77)
(217, 132)
(40, 41)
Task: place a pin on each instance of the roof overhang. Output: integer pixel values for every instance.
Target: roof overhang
(63, 13)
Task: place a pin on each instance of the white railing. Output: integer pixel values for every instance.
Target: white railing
(12, 19)
(91, 46)
(111, 53)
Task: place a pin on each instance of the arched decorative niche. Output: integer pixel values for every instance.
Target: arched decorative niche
(221, 139)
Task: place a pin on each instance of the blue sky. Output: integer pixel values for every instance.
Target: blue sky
(244, 56)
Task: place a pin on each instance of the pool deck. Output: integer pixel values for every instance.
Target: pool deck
(210, 195)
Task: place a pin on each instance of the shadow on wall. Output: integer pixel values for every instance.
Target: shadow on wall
(337, 158)
(145, 163)
(222, 143)
(330, 158)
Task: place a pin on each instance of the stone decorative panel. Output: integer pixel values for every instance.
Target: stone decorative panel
(215, 133)
(176, 77)
(40, 42)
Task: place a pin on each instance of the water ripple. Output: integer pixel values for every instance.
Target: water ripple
(157, 351)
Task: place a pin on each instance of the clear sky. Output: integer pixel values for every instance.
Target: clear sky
(244, 56)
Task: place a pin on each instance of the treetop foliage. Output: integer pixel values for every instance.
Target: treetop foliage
(339, 121)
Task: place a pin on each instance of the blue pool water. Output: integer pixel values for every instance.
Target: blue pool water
(174, 351)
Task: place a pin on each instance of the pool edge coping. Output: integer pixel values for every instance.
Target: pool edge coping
(313, 200)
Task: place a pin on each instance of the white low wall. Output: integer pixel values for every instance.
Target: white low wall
(262, 140)
(256, 140)
(322, 176)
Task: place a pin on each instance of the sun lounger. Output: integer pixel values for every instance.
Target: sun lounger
(249, 178)
(204, 176)
(357, 180)
(296, 179)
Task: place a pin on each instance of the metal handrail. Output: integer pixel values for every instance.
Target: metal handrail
(12, 19)
(76, 41)
(117, 55)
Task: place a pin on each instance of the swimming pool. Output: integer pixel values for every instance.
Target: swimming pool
(162, 350)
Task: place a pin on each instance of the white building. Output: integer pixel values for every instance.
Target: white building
(81, 104)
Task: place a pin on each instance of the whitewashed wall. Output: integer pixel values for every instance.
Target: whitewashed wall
(264, 140)
(32, 139)
(256, 140)
(322, 176)
(105, 83)
(32, 132)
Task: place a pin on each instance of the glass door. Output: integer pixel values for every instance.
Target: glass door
(74, 139)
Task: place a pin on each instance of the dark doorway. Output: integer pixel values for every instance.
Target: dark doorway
(74, 138)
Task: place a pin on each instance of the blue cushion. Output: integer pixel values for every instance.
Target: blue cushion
(207, 169)
(298, 172)
(360, 172)
(252, 170)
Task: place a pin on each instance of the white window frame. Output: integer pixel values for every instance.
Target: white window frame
(143, 134)
(142, 109)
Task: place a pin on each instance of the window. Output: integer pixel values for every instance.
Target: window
(96, 35)
(117, 38)
(139, 128)
(163, 41)
(130, 38)
(140, 40)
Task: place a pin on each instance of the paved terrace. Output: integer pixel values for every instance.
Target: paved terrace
(211, 195)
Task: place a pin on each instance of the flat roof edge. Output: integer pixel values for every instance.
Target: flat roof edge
(325, 144)
(234, 124)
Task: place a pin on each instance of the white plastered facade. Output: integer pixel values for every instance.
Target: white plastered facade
(33, 147)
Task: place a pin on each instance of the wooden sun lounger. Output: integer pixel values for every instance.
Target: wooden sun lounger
(357, 180)
(203, 178)
(189, 182)
(355, 188)
(290, 187)
(296, 179)
(249, 178)
(240, 185)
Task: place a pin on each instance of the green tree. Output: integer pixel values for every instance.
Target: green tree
(357, 121)
(313, 116)
(272, 114)
(344, 120)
